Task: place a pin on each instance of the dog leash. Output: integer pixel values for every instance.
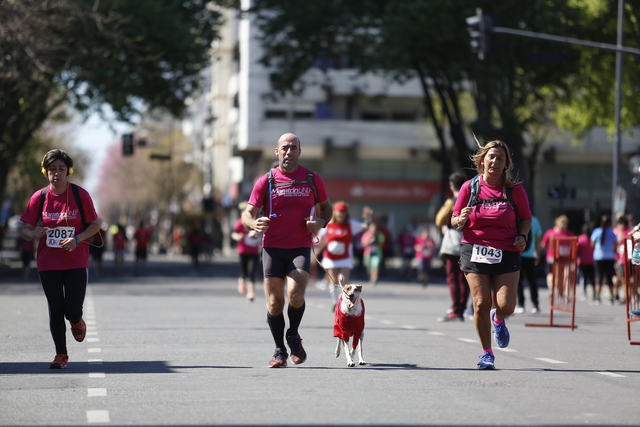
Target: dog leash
(313, 249)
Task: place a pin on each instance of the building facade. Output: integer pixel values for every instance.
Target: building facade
(370, 141)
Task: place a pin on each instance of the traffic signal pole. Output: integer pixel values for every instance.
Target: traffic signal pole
(481, 22)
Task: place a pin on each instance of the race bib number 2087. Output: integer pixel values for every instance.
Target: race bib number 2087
(486, 255)
(55, 236)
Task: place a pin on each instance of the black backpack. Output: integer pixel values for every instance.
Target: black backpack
(508, 197)
(272, 185)
(76, 196)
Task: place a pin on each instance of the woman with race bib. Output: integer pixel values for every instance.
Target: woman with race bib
(335, 242)
(68, 219)
(493, 213)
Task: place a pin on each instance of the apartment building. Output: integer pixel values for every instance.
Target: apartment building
(368, 138)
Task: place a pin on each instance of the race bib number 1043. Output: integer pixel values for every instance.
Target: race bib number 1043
(55, 236)
(486, 255)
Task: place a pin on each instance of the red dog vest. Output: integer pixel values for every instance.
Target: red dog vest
(345, 327)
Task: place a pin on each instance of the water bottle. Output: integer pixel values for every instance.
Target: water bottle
(635, 257)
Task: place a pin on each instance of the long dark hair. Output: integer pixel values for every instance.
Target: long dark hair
(605, 224)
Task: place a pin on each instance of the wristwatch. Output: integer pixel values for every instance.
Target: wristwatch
(524, 236)
(325, 223)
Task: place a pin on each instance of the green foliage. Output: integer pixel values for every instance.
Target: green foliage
(128, 54)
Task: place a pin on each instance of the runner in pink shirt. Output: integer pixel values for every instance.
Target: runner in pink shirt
(63, 253)
(289, 195)
(560, 229)
(493, 213)
(248, 248)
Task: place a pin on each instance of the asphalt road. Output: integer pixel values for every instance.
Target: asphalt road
(180, 347)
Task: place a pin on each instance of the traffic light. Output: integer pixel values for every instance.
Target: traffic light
(127, 144)
(479, 26)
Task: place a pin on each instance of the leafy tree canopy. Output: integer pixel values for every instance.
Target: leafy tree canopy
(91, 52)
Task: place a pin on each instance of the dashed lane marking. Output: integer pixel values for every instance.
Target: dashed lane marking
(96, 392)
(468, 340)
(98, 416)
(96, 375)
(544, 359)
(611, 374)
(95, 350)
(95, 361)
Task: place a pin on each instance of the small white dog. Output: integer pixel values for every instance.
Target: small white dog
(349, 322)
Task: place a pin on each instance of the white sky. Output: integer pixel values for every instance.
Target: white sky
(95, 137)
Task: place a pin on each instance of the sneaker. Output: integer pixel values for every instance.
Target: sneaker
(500, 332)
(535, 310)
(451, 317)
(79, 330)
(519, 310)
(298, 355)
(635, 312)
(486, 361)
(59, 362)
(279, 359)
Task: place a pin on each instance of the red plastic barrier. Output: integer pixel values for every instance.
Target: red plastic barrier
(631, 280)
(564, 272)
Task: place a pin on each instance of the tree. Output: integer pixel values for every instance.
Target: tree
(594, 104)
(89, 52)
(428, 40)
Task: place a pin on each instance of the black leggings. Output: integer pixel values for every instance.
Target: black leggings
(249, 266)
(65, 291)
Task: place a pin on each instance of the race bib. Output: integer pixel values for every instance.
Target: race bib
(336, 248)
(55, 236)
(486, 255)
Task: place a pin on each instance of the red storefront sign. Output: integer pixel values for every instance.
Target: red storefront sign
(381, 191)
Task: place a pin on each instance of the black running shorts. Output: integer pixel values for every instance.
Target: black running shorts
(510, 262)
(280, 262)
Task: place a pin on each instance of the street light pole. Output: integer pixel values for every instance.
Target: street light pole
(619, 49)
(618, 141)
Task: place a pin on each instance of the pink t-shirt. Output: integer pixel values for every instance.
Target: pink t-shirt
(60, 210)
(246, 245)
(547, 241)
(585, 250)
(425, 248)
(492, 224)
(291, 205)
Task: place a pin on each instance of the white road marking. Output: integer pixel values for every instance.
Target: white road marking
(507, 350)
(468, 340)
(544, 359)
(436, 333)
(96, 392)
(92, 333)
(93, 339)
(95, 350)
(408, 327)
(98, 416)
(95, 361)
(90, 322)
(611, 374)
(96, 375)
(386, 322)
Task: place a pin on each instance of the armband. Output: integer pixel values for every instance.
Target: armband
(75, 236)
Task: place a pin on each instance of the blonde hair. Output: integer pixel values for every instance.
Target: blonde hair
(478, 158)
(561, 219)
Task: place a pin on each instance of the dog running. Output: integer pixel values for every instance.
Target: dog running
(349, 322)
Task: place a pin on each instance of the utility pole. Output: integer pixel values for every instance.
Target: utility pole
(473, 24)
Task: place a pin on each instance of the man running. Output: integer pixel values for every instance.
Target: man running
(288, 193)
